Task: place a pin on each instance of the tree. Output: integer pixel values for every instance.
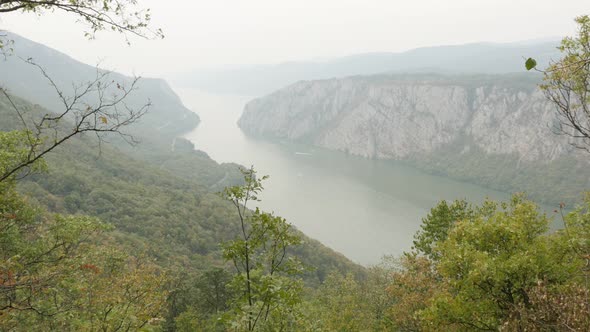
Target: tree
(199, 301)
(412, 287)
(491, 263)
(495, 268)
(118, 292)
(563, 308)
(343, 305)
(265, 282)
(437, 224)
(53, 275)
(122, 16)
(567, 85)
(349, 303)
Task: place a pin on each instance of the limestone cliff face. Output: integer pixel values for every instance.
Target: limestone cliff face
(395, 117)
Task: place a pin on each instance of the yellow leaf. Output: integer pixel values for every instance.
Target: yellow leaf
(103, 119)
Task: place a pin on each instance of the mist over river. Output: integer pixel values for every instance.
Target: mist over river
(362, 208)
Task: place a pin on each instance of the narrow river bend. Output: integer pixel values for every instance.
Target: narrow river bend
(362, 208)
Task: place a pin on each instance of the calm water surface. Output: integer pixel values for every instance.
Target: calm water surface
(362, 208)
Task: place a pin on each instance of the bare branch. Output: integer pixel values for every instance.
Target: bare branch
(96, 107)
(122, 16)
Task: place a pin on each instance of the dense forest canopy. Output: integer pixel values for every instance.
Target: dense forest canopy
(96, 235)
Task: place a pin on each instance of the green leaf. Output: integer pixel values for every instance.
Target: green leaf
(530, 63)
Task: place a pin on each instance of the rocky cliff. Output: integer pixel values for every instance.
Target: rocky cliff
(471, 127)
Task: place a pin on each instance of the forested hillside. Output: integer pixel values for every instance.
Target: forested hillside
(162, 202)
(171, 208)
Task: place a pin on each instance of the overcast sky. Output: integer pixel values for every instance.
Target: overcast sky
(220, 32)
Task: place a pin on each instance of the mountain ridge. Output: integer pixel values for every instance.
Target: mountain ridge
(490, 58)
(27, 81)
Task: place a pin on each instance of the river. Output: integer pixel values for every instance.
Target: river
(362, 208)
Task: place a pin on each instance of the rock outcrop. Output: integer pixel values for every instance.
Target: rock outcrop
(446, 124)
(400, 117)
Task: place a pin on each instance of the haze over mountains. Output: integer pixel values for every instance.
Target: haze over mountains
(366, 152)
(489, 58)
(462, 63)
(170, 118)
(433, 121)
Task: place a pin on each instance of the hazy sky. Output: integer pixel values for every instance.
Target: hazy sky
(219, 32)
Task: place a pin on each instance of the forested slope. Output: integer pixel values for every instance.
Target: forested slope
(178, 219)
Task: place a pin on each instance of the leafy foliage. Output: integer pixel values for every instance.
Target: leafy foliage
(497, 267)
(347, 303)
(412, 287)
(530, 63)
(436, 225)
(266, 282)
(54, 274)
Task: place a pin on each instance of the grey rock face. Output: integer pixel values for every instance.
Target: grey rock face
(389, 117)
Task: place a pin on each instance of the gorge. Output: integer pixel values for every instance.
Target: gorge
(493, 130)
(363, 208)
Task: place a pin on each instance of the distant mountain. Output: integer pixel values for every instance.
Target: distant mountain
(167, 116)
(488, 58)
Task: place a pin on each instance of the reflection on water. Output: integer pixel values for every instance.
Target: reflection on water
(362, 208)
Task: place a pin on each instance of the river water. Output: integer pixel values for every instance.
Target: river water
(362, 208)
